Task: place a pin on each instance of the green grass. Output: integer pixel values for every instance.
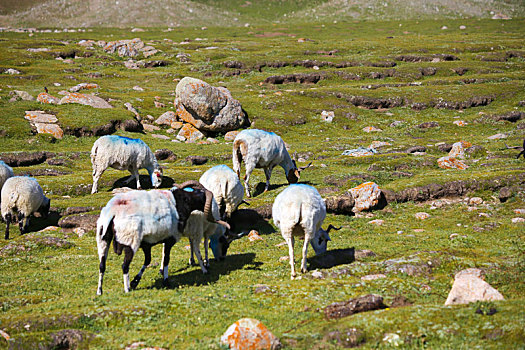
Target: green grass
(44, 288)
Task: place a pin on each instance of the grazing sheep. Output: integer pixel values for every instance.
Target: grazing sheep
(5, 173)
(21, 197)
(143, 219)
(124, 153)
(262, 149)
(226, 188)
(300, 211)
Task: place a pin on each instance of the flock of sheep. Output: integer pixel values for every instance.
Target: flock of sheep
(195, 209)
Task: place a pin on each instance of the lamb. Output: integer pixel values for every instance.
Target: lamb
(141, 219)
(226, 188)
(124, 153)
(262, 149)
(300, 211)
(21, 197)
(5, 173)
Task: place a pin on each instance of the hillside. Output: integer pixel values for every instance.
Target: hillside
(150, 13)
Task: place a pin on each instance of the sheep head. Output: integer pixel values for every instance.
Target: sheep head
(295, 173)
(321, 238)
(156, 177)
(43, 210)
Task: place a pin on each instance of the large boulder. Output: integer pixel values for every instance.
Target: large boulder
(366, 196)
(469, 287)
(85, 99)
(208, 108)
(249, 334)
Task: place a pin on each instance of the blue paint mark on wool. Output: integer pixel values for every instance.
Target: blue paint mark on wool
(123, 139)
(188, 189)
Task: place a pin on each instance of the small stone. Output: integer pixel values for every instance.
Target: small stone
(79, 231)
(176, 125)
(82, 86)
(159, 104)
(475, 201)
(138, 88)
(150, 128)
(468, 287)
(231, 135)
(189, 134)
(212, 140)
(53, 129)
(162, 137)
(377, 222)
(444, 28)
(497, 136)
(379, 144)
(371, 129)
(317, 274)
(44, 97)
(517, 220)
(254, 236)
(261, 288)
(419, 230)
(373, 277)
(11, 71)
(327, 116)
(462, 27)
(449, 162)
(519, 211)
(422, 215)
(166, 118)
(40, 117)
(427, 125)
(284, 258)
(50, 228)
(453, 235)
(393, 339)
(459, 122)
(20, 95)
(366, 196)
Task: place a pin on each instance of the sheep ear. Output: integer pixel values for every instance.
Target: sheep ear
(296, 171)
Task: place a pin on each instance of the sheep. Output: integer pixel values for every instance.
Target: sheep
(226, 188)
(262, 149)
(300, 211)
(21, 197)
(142, 219)
(124, 153)
(5, 173)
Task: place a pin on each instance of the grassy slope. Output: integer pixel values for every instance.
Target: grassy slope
(46, 288)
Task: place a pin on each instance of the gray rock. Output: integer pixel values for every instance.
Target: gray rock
(346, 308)
(208, 108)
(468, 287)
(20, 95)
(166, 118)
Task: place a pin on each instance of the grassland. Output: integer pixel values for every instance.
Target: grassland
(45, 288)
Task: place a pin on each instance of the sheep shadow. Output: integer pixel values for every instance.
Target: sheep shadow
(195, 277)
(40, 223)
(332, 258)
(145, 181)
(245, 220)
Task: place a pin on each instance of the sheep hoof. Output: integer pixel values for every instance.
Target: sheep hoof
(304, 270)
(99, 291)
(165, 283)
(134, 283)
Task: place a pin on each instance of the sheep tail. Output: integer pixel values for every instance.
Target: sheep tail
(94, 156)
(239, 150)
(105, 230)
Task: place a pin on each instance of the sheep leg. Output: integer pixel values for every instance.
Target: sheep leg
(23, 224)
(195, 247)
(97, 173)
(192, 259)
(166, 260)
(249, 170)
(290, 242)
(305, 252)
(135, 174)
(8, 219)
(147, 260)
(268, 173)
(206, 261)
(103, 253)
(128, 256)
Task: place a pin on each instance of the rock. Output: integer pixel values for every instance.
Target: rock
(348, 338)
(414, 270)
(427, 125)
(400, 301)
(504, 194)
(125, 48)
(497, 136)
(517, 220)
(132, 109)
(444, 147)
(40, 117)
(149, 52)
(366, 196)
(85, 99)
(165, 154)
(83, 86)
(159, 104)
(415, 149)
(12, 71)
(340, 204)
(166, 118)
(473, 271)
(150, 128)
(44, 97)
(422, 216)
(130, 64)
(197, 160)
(317, 274)
(20, 95)
(176, 125)
(379, 144)
(475, 201)
(377, 222)
(460, 123)
(519, 211)
(371, 129)
(393, 339)
(462, 27)
(327, 116)
(208, 108)
(189, 134)
(249, 334)
(254, 236)
(140, 345)
(449, 162)
(53, 129)
(261, 288)
(361, 304)
(162, 137)
(468, 287)
(359, 152)
(458, 149)
(138, 88)
(373, 277)
(396, 123)
(69, 339)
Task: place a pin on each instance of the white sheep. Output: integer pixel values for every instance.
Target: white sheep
(21, 197)
(124, 153)
(5, 173)
(143, 219)
(262, 149)
(300, 211)
(226, 188)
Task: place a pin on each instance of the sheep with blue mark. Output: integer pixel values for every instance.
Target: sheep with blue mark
(299, 211)
(262, 149)
(21, 197)
(124, 153)
(5, 173)
(142, 219)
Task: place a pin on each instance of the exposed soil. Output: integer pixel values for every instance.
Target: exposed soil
(165, 154)
(348, 338)
(44, 172)
(302, 78)
(23, 158)
(361, 304)
(197, 160)
(332, 258)
(131, 125)
(87, 222)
